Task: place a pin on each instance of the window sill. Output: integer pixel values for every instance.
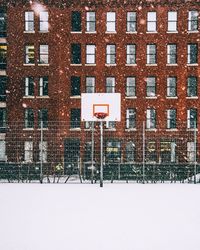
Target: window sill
(131, 32)
(28, 129)
(134, 64)
(173, 64)
(43, 64)
(76, 32)
(90, 32)
(172, 32)
(131, 97)
(42, 97)
(72, 64)
(3, 40)
(3, 72)
(29, 32)
(171, 97)
(110, 65)
(90, 64)
(29, 64)
(192, 129)
(110, 32)
(43, 129)
(192, 97)
(28, 97)
(130, 129)
(171, 129)
(75, 97)
(151, 97)
(43, 31)
(151, 129)
(192, 64)
(152, 32)
(75, 129)
(153, 64)
(110, 129)
(192, 31)
(2, 104)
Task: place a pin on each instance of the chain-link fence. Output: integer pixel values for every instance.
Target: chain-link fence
(60, 152)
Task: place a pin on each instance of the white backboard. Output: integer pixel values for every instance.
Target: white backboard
(101, 102)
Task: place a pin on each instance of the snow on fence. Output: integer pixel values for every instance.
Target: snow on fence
(61, 151)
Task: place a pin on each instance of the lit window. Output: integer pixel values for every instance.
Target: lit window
(30, 54)
(43, 86)
(151, 119)
(171, 118)
(171, 86)
(172, 21)
(131, 118)
(76, 21)
(192, 86)
(113, 151)
(111, 54)
(29, 21)
(151, 21)
(151, 54)
(171, 54)
(3, 56)
(44, 21)
(90, 84)
(131, 22)
(29, 86)
(193, 20)
(130, 87)
(151, 86)
(192, 53)
(131, 54)
(44, 54)
(111, 22)
(110, 85)
(90, 54)
(90, 22)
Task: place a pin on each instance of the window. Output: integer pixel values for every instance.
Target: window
(75, 85)
(28, 151)
(111, 54)
(3, 22)
(130, 87)
(131, 22)
(151, 21)
(131, 54)
(151, 86)
(110, 125)
(90, 84)
(171, 86)
(171, 54)
(192, 56)
(151, 119)
(76, 21)
(29, 21)
(172, 21)
(193, 20)
(43, 86)
(191, 151)
(131, 118)
(43, 151)
(171, 118)
(75, 118)
(90, 54)
(29, 86)
(130, 151)
(90, 22)
(168, 151)
(76, 53)
(3, 118)
(44, 21)
(3, 56)
(192, 86)
(29, 118)
(110, 85)
(113, 151)
(192, 118)
(30, 54)
(111, 22)
(2, 150)
(151, 54)
(151, 155)
(44, 54)
(3, 83)
(43, 118)
(88, 151)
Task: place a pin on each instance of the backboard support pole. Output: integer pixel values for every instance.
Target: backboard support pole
(101, 166)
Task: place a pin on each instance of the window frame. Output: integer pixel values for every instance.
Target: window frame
(89, 55)
(151, 85)
(28, 118)
(171, 55)
(76, 27)
(110, 55)
(151, 56)
(149, 22)
(88, 86)
(29, 86)
(131, 85)
(76, 53)
(172, 21)
(131, 23)
(89, 22)
(171, 118)
(131, 118)
(192, 87)
(190, 55)
(110, 86)
(43, 21)
(131, 56)
(108, 22)
(193, 20)
(29, 54)
(151, 118)
(42, 86)
(27, 22)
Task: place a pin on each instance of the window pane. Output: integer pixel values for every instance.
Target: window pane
(75, 85)
(76, 21)
(76, 53)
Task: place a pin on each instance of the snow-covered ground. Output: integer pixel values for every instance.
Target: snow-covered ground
(86, 217)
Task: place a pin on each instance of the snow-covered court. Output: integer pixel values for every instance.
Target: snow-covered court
(87, 217)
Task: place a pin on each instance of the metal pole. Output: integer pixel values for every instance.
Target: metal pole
(195, 153)
(92, 156)
(101, 167)
(41, 153)
(143, 153)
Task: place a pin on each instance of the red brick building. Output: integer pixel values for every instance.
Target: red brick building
(52, 51)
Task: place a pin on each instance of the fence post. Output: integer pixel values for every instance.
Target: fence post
(41, 153)
(92, 156)
(195, 152)
(143, 152)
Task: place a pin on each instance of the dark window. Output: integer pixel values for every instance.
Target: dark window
(43, 89)
(3, 24)
(130, 151)
(29, 86)
(76, 21)
(3, 83)
(192, 118)
(192, 56)
(75, 118)
(3, 55)
(192, 86)
(171, 118)
(171, 86)
(43, 117)
(75, 85)
(76, 53)
(2, 117)
(29, 118)
(168, 151)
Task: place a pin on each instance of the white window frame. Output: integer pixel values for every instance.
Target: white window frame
(111, 54)
(131, 22)
(151, 54)
(191, 150)
(44, 54)
(131, 86)
(43, 150)
(171, 55)
(90, 84)
(110, 22)
(131, 118)
(90, 21)
(44, 21)
(189, 54)
(151, 21)
(110, 84)
(29, 21)
(28, 151)
(169, 78)
(151, 84)
(131, 54)
(90, 54)
(27, 83)
(169, 118)
(193, 20)
(2, 150)
(151, 118)
(172, 21)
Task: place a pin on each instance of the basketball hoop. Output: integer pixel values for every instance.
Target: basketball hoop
(100, 115)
